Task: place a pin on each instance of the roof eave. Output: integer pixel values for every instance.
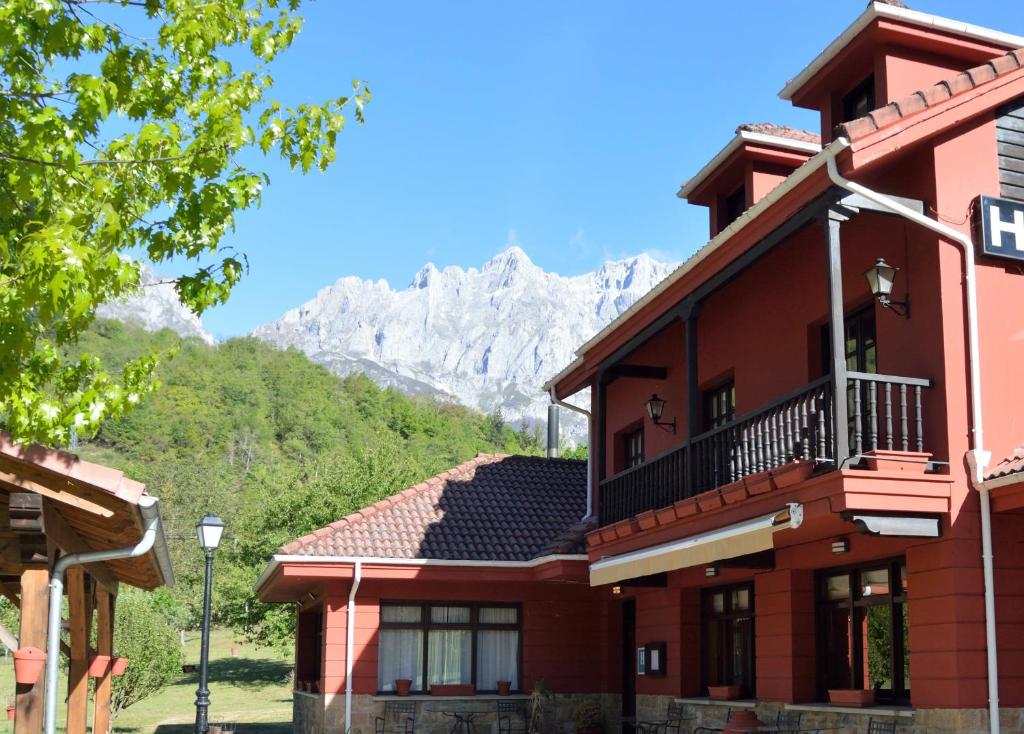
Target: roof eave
(911, 17)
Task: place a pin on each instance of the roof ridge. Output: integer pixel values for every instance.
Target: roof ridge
(930, 96)
(390, 501)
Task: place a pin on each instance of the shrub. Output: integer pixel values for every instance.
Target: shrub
(144, 635)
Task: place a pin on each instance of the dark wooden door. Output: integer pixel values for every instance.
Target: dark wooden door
(628, 665)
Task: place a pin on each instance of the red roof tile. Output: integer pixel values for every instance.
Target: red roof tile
(1012, 464)
(779, 131)
(919, 101)
(492, 508)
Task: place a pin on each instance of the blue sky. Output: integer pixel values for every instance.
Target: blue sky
(564, 127)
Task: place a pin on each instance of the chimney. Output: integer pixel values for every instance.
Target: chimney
(552, 431)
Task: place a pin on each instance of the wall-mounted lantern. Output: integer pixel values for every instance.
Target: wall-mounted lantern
(881, 277)
(655, 407)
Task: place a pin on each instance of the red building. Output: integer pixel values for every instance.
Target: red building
(792, 493)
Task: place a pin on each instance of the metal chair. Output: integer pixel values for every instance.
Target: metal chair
(399, 718)
(788, 722)
(508, 712)
(676, 718)
(881, 727)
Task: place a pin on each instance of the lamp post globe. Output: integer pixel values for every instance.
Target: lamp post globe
(209, 531)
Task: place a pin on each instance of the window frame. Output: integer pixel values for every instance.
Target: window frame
(475, 626)
(711, 395)
(864, 90)
(629, 460)
(733, 206)
(709, 616)
(896, 598)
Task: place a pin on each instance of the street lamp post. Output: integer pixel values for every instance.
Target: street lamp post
(209, 530)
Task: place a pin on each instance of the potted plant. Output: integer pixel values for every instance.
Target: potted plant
(855, 697)
(723, 693)
(403, 686)
(539, 699)
(588, 717)
(28, 664)
(504, 687)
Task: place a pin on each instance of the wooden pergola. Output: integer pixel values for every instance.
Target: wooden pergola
(53, 504)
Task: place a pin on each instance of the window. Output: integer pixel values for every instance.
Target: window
(445, 644)
(860, 100)
(719, 405)
(863, 631)
(733, 206)
(861, 347)
(728, 636)
(633, 445)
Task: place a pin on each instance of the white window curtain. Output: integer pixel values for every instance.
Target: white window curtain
(499, 615)
(449, 615)
(450, 657)
(497, 658)
(400, 655)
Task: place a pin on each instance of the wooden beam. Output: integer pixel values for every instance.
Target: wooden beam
(80, 619)
(837, 320)
(57, 494)
(57, 529)
(34, 605)
(104, 646)
(692, 396)
(11, 593)
(641, 371)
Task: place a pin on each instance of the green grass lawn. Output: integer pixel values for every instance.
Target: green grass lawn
(252, 691)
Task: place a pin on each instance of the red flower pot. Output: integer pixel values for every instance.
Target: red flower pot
(723, 693)
(234, 652)
(403, 686)
(28, 664)
(120, 665)
(743, 721)
(10, 713)
(851, 697)
(98, 665)
(504, 687)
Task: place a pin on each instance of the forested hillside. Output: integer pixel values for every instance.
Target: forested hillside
(274, 444)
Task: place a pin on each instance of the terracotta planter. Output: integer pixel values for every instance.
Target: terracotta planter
(10, 713)
(234, 652)
(98, 665)
(120, 665)
(504, 687)
(851, 697)
(743, 721)
(452, 690)
(723, 693)
(911, 462)
(403, 686)
(28, 665)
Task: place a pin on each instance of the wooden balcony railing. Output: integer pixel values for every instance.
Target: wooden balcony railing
(884, 413)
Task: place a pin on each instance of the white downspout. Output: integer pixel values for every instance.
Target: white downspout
(590, 449)
(350, 637)
(151, 518)
(977, 457)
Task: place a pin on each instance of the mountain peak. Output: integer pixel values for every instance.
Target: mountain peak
(512, 256)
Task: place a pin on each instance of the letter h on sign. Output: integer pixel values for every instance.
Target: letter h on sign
(1002, 227)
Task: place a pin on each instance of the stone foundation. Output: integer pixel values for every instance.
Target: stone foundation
(307, 713)
(845, 721)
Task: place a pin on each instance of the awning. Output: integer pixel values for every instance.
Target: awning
(749, 536)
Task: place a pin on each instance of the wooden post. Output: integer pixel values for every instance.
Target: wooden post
(104, 646)
(692, 396)
(80, 618)
(35, 581)
(837, 325)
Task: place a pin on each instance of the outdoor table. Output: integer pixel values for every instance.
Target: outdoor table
(463, 717)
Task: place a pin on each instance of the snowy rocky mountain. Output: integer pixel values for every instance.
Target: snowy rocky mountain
(487, 338)
(154, 307)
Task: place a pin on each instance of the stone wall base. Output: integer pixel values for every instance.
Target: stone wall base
(922, 721)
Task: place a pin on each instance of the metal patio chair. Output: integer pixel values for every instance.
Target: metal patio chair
(676, 721)
(788, 722)
(881, 727)
(511, 716)
(399, 718)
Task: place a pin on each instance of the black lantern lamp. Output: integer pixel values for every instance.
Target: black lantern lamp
(655, 407)
(209, 529)
(881, 277)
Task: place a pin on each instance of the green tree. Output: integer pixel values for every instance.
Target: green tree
(123, 128)
(144, 635)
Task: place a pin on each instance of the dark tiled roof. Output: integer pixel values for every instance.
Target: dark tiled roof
(779, 131)
(493, 508)
(918, 101)
(1012, 464)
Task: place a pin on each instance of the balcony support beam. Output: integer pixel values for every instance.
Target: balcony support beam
(836, 321)
(692, 394)
(601, 414)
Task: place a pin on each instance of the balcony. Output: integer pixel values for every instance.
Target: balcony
(884, 412)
